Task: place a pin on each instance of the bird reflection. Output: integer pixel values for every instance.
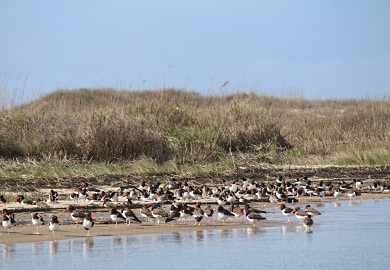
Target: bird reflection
(320, 204)
(8, 250)
(116, 241)
(337, 204)
(36, 248)
(53, 247)
(250, 231)
(199, 236)
(87, 244)
(177, 237)
(354, 203)
(308, 230)
(288, 229)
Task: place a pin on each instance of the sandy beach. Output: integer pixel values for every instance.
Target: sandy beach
(24, 231)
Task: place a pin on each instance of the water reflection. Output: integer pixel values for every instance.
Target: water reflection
(8, 251)
(294, 229)
(252, 231)
(355, 203)
(199, 236)
(337, 204)
(320, 204)
(53, 245)
(210, 245)
(87, 245)
(37, 248)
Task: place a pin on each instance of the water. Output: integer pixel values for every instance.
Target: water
(348, 235)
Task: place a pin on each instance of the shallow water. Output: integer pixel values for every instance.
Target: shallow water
(348, 235)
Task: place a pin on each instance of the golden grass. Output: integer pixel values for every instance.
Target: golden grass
(175, 130)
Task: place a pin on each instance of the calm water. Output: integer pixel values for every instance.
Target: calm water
(348, 235)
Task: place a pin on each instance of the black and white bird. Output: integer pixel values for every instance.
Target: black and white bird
(8, 219)
(353, 194)
(358, 184)
(37, 220)
(54, 224)
(52, 197)
(173, 215)
(287, 211)
(88, 221)
(20, 199)
(117, 216)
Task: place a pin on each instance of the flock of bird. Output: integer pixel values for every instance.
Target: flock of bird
(232, 198)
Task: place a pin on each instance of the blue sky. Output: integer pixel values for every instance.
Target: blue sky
(314, 49)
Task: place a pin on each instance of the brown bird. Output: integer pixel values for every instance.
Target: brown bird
(253, 217)
(208, 212)
(146, 213)
(198, 214)
(130, 216)
(311, 211)
(237, 211)
(308, 222)
(158, 213)
(75, 214)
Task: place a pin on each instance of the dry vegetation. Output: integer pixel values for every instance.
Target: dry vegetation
(182, 128)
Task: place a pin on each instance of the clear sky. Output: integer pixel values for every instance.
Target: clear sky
(313, 49)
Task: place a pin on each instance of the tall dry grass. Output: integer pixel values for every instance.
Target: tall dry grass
(170, 125)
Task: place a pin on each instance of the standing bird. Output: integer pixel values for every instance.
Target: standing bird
(198, 214)
(130, 216)
(88, 221)
(37, 220)
(52, 197)
(337, 194)
(8, 219)
(158, 213)
(54, 224)
(354, 194)
(117, 216)
(311, 211)
(358, 183)
(287, 211)
(208, 212)
(75, 214)
(174, 215)
(308, 222)
(237, 211)
(224, 214)
(300, 214)
(253, 217)
(3, 200)
(146, 212)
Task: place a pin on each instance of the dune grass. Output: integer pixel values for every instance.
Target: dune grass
(100, 131)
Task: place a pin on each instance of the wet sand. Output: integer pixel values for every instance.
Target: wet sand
(24, 231)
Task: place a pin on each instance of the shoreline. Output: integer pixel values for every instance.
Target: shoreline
(25, 233)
